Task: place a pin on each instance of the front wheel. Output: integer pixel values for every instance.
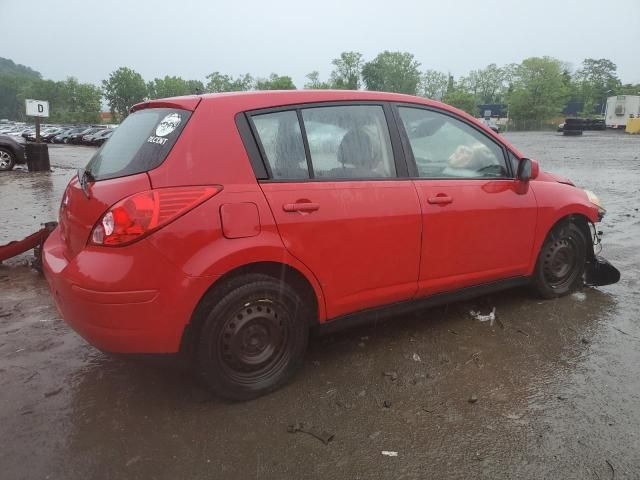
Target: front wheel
(561, 262)
(253, 337)
(7, 160)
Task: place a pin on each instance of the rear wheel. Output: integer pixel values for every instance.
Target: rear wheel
(561, 262)
(7, 160)
(253, 338)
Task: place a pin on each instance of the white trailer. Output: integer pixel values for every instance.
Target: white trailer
(620, 108)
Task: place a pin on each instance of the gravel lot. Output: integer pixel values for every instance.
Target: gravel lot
(557, 382)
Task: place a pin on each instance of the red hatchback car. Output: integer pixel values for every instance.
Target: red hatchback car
(230, 224)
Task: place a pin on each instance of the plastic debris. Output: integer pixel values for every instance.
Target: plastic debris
(315, 432)
(392, 375)
(416, 358)
(490, 317)
(389, 453)
(473, 398)
(386, 404)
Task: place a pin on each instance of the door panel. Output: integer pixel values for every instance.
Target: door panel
(360, 238)
(478, 221)
(483, 233)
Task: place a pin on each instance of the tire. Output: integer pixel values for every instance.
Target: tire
(561, 263)
(7, 160)
(253, 338)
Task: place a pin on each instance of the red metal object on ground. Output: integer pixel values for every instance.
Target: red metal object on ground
(34, 240)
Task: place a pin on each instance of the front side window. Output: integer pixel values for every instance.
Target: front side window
(444, 147)
(349, 142)
(281, 140)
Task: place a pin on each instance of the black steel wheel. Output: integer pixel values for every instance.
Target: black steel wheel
(561, 263)
(253, 337)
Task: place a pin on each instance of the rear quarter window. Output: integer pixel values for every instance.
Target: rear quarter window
(141, 143)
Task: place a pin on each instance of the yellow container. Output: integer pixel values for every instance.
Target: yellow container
(633, 125)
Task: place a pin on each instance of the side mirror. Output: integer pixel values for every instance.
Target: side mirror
(527, 170)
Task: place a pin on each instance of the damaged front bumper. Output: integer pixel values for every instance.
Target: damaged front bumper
(598, 271)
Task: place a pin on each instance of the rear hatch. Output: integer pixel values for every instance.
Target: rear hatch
(119, 168)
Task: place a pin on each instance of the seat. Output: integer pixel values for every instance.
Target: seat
(358, 154)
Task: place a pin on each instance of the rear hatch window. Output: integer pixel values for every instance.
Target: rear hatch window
(141, 143)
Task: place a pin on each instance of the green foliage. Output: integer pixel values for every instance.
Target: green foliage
(628, 89)
(595, 81)
(225, 83)
(539, 90)
(392, 72)
(487, 84)
(173, 87)
(123, 89)
(275, 82)
(462, 99)
(433, 84)
(7, 66)
(315, 83)
(13, 79)
(347, 71)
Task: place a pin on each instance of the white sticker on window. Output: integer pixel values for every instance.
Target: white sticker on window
(168, 124)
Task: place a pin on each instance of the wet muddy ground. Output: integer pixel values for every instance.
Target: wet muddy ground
(557, 382)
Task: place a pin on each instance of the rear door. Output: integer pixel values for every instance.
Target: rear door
(343, 205)
(478, 221)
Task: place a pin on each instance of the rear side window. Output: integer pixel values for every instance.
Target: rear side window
(141, 143)
(349, 142)
(282, 145)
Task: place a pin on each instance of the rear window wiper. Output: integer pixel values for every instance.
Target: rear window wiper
(85, 176)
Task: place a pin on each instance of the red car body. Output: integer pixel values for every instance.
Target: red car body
(352, 245)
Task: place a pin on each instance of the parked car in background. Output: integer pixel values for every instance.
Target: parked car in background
(63, 137)
(11, 152)
(52, 132)
(76, 138)
(101, 137)
(88, 139)
(232, 242)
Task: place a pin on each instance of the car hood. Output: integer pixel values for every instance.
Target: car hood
(552, 177)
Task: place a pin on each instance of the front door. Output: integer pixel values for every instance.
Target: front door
(338, 202)
(478, 221)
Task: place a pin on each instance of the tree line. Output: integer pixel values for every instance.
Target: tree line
(538, 88)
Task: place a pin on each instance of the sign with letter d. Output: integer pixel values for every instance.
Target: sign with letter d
(37, 108)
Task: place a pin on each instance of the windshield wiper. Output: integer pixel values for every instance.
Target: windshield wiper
(84, 177)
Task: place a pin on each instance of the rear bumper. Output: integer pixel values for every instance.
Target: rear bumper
(122, 300)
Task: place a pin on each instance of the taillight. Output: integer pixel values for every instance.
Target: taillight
(142, 213)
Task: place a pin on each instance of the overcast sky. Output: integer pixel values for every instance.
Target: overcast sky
(88, 39)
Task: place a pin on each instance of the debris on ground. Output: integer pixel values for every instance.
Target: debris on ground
(613, 470)
(386, 403)
(585, 341)
(490, 317)
(519, 330)
(416, 357)
(321, 435)
(389, 454)
(53, 392)
(475, 358)
(562, 397)
(392, 375)
(473, 398)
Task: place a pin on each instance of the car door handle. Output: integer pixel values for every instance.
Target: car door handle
(301, 207)
(440, 199)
